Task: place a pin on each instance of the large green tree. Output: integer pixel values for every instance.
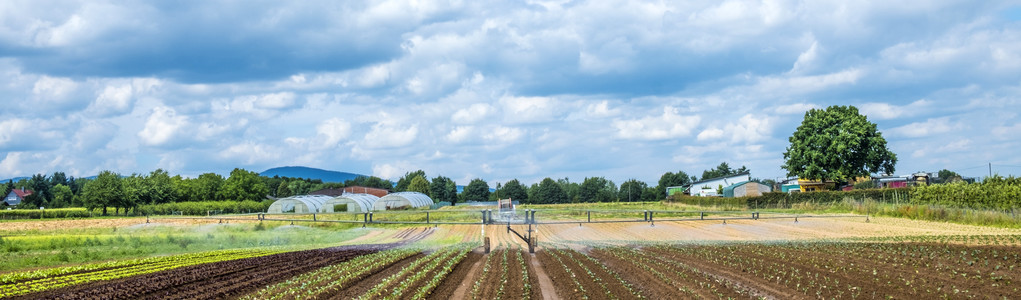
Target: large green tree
(837, 143)
(419, 184)
(439, 192)
(572, 189)
(62, 196)
(632, 190)
(477, 190)
(451, 192)
(104, 191)
(158, 187)
(405, 181)
(549, 192)
(670, 179)
(244, 185)
(597, 189)
(722, 170)
(207, 187)
(514, 190)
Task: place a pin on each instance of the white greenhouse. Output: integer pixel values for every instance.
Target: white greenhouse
(299, 204)
(403, 200)
(350, 203)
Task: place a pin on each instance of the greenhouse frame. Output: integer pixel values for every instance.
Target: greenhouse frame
(403, 200)
(298, 204)
(351, 203)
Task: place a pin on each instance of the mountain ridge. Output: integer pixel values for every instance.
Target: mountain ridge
(310, 173)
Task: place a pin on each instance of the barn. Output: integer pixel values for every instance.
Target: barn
(350, 203)
(403, 200)
(299, 204)
(746, 189)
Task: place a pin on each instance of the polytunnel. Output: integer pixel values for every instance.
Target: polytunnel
(403, 200)
(299, 204)
(350, 203)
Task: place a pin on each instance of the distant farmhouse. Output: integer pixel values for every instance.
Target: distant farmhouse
(16, 196)
(709, 187)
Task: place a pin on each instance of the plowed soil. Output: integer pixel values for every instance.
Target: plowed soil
(223, 279)
(460, 278)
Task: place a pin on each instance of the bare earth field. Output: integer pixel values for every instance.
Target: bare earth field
(734, 230)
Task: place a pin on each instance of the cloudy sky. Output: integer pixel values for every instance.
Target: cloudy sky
(498, 89)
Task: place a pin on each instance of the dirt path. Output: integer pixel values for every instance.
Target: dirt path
(466, 282)
(545, 284)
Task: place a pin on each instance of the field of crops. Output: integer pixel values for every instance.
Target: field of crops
(450, 263)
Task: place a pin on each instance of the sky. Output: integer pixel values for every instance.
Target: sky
(499, 90)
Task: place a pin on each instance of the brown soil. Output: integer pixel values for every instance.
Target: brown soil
(571, 281)
(542, 280)
(213, 280)
(460, 279)
(361, 286)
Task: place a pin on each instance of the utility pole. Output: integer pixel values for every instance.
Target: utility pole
(990, 169)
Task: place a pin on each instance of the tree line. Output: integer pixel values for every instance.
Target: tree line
(552, 191)
(111, 190)
(124, 193)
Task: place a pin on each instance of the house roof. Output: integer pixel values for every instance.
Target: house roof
(22, 194)
(328, 192)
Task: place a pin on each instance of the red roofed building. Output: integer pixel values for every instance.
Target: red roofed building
(366, 190)
(16, 196)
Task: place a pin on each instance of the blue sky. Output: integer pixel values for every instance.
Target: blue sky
(498, 89)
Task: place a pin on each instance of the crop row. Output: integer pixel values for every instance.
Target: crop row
(853, 270)
(434, 266)
(578, 275)
(20, 283)
(313, 283)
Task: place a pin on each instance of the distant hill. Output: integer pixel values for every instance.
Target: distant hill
(310, 173)
(15, 179)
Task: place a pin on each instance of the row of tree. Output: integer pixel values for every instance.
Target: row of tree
(549, 191)
(123, 193)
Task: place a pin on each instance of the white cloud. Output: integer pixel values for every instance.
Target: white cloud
(808, 84)
(504, 135)
(18, 134)
(163, 127)
(748, 129)
(670, 125)
(602, 109)
(472, 114)
(113, 100)
(796, 108)
(392, 171)
(928, 128)
(886, 111)
(387, 134)
(333, 131)
(529, 109)
(252, 154)
(460, 134)
(1007, 132)
(51, 87)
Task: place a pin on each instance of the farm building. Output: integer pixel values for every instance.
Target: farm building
(298, 204)
(350, 203)
(816, 185)
(332, 192)
(16, 196)
(709, 187)
(366, 190)
(403, 200)
(746, 189)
